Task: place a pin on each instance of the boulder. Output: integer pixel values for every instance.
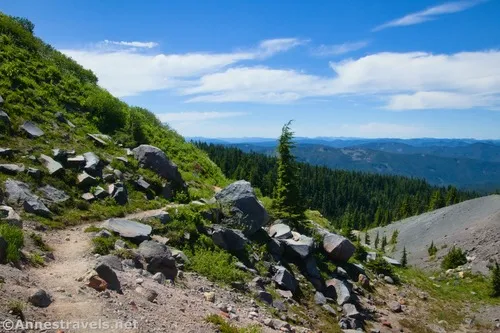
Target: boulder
(118, 191)
(392, 261)
(395, 307)
(128, 229)
(311, 267)
(179, 256)
(388, 279)
(95, 282)
(54, 167)
(350, 310)
(339, 288)
(244, 208)
(76, 162)
(264, 296)
(159, 277)
(35, 206)
(142, 185)
(120, 244)
(40, 299)
(149, 294)
(275, 247)
(107, 273)
(108, 177)
(100, 193)
(53, 195)
(93, 164)
(9, 215)
(89, 197)
(302, 247)
(60, 117)
(6, 152)
(85, 181)
(3, 250)
(153, 158)
(228, 239)
(338, 248)
(31, 129)
(319, 298)
(112, 261)
(284, 279)
(62, 155)
(364, 281)
(11, 169)
(280, 231)
(158, 259)
(17, 192)
(34, 173)
(98, 139)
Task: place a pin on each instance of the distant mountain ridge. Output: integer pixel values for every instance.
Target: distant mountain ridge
(465, 163)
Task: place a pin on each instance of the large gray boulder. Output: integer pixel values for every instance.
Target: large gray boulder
(93, 164)
(158, 258)
(107, 273)
(85, 181)
(228, 239)
(19, 194)
(301, 247)
(338, 248)
(280, 231)
(11, 169)
(339, 289)
(284, 279)
(53, 195)
(118, 191)
(112, 261)
(37, 207)
(31, 129)
(40, 299)
(245, 210)
(9, 215)
(128, 229)
(154, 158)
(52, 165)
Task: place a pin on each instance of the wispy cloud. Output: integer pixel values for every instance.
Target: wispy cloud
(429, 14)
(337, 49)
(272, 46)
(146, 45)
(197, 116)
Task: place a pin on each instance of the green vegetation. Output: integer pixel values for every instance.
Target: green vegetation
(394, 237)
(432, 249)
(383, 244)
(15, 241)
(377, 239)
(380, 266)
(36, 260)
(404, 258)
(224, 327)
(360, 200)
(360, 252)
(495, 280)
(104, 245)
(39, 242)
(92, 228)
(287, 202)
(456, 257)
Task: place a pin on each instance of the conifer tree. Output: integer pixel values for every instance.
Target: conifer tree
(288, 202)
(437, 201)
(367, 238)
(432, 250)
(384, 243)
(404, 259)
(495, 280)
(394, 237)
(376, 240)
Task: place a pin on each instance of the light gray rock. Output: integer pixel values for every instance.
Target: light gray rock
(228, 239)
(245, 210)
(85, 181)
(31, 129)
(343, 295)
(337, 247)
(62, 155)
(11, 169)
(112, 261)
(98, 139)
(1, 100)
(142, 185)
(158, 258)
(35, 206)
(301, 247)
(89, 197)
(149, 294)
(120, 244)
(159, 277)
(40, 299)
(104, 233)
(76, 162)
(329, 309)
(155, 159)
(179, 256)
(370, 256)
(118, 191)
(34, 173)
(319, 298)
(16, 192)
(285, 279)
(100, 193)
(53, 195)
(395, 307)
(280, 231)
(350, 310)
(392, 261)
(93, 165)
(54, 167)
(60, 117)
(388, 279)
(128, 229)
(9, 215)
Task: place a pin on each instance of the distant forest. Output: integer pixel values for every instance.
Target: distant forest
(349, 199)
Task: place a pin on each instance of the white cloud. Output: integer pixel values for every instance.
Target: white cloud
(429, 14)
(197, 116)
(147, 45)
(472, 79)
(330, 50)
(127, 72)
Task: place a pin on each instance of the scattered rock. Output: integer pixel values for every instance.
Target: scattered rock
(112, 261)
(319, 298)
(158, 259)
(285, 279)
(364, 281)
(228, 239)
(35, 206)
(4, 118)
(395, 307)
(276, 247)
(245, 209)
(350, 310)
(40, 299)
(100, 193)
(128, 229)
(301, 247)
(54, 167)
(34, 173)
(60, 117)
(149, 294)
(392, 261)
(209, 297)
(85, 181)
(280, 231)
(9, 215)
(160, 278)
(6, 152)
(11, 169)
(53, 195)
(98, 139)
(340, 289)
(76, 162)
(118, 191)
(155, 159)
(285, 293)
(279, 305)
(264, 296)
(89, 197)
(31, 129)
(329, 309)
(93, 164)
(338, 247)
(106, 273)
(95, 282)
(388, 279)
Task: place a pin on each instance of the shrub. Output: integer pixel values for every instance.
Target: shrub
(39, 242)
(432, 250)
(36, 260)
(456, 257)
(15, 241)
(495, 280)
(224, 327)
(380, 266)
(360, 252)
(92, 228)
(104, 245)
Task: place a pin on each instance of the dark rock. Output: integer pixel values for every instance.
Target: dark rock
(6, 152)
(93, 165)
(54, 167)
(364, 281)
(60, 117)
(3, 250)
(11, 169)
(118, 174)
(276, 247)
(118, 191)
(76, 162)
(155, 159)
(142, 185)
(228, 239)
(34, 173)
(311, 267)
(62, 155)
(35, 206)
(98, 139)
(280, 231)
(337, 247)
(343, 295)
(285, 279)
(40, 299)
(319, 298)
(245, 210)
(264, 296)
(158, 259)
(107, 273)
(100, 193)
(9, 215)
(89, 197)
(128, 229)
(350, 324)
(85, 181)
(112, 261)
(301, 247)
(108, 177)
(4, 119)
(53, 195)
(31, 129)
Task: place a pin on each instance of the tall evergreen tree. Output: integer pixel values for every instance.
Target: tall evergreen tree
(288, 202)
(495, 280)
(394, 237)
(384, 243)
(404, 259)
(367, 238)
(437, 201)
(376, 240)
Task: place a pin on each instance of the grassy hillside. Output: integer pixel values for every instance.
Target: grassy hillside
(37, 81)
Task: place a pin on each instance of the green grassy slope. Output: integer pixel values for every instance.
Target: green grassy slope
(36, 81)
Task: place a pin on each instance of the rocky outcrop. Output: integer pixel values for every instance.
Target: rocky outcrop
(228, 239)
(158, 259)
(301, 246)
(284, 279)
(31, 129)
(11, 169)
(245, 211)
(337, 247)
(53, 195)
(280, 231)
(153, 158)
(128, 229)
(19, 194)
(54, 167)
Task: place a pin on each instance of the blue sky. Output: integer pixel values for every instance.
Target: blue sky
(387, 68)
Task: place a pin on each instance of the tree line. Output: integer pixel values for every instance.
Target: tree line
(352, 200)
